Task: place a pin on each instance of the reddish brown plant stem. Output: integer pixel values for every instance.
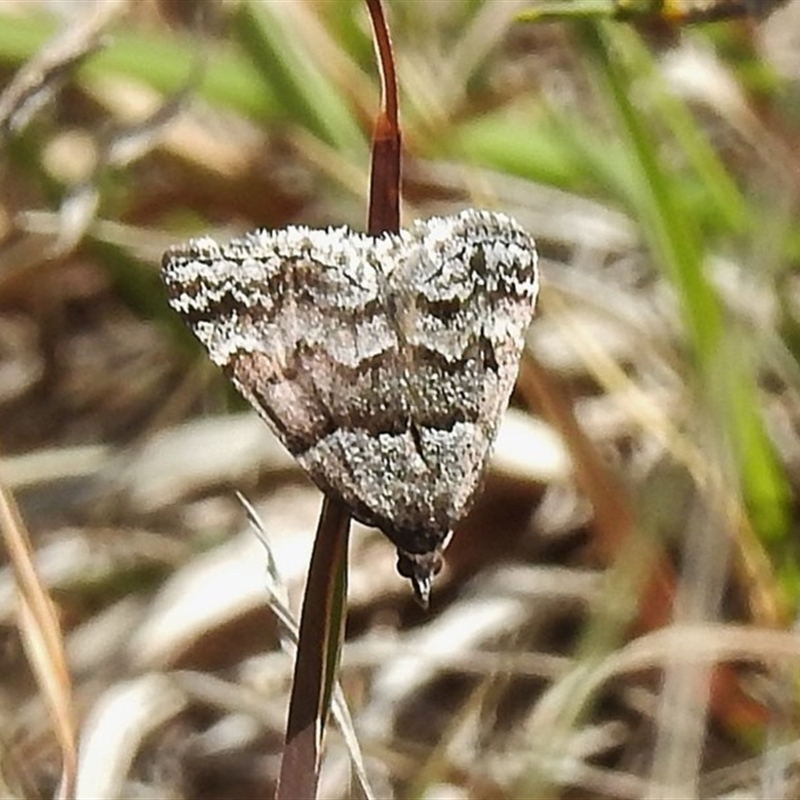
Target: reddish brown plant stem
(384, 194)
(321, 618)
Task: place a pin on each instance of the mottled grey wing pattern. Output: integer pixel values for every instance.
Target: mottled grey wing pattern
(382, 363)
(465, 298)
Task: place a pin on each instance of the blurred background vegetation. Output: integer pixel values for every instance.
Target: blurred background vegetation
(617, 614)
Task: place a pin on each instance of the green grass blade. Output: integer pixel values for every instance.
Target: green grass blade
(304, 93)
(164, 62)
(726, 378)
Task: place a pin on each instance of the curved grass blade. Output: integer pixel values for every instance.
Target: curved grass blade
(318, 649)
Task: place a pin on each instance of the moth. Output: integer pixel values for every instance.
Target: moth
(383, 363)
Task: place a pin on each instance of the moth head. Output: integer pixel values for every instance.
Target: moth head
(420, 569)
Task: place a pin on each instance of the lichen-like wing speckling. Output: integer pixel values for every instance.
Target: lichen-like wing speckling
(383, 363)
